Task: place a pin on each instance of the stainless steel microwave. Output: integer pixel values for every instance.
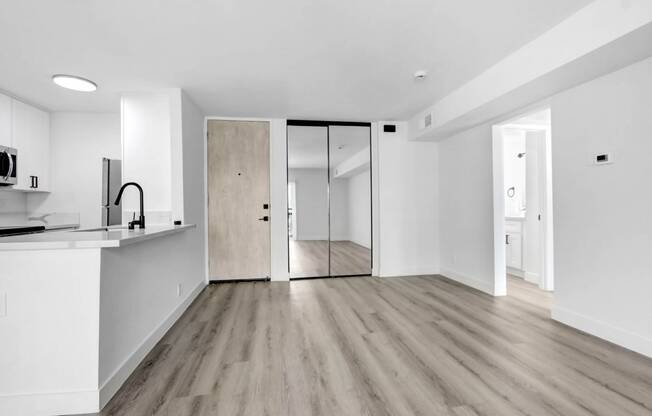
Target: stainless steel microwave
(8, 166)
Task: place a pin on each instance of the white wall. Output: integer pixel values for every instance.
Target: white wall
(194, 207)
(13, 206)
(278, 200)
(139, 304)
(407, 204)
(603, 227)
(147, 153)
(514, 168)
(466, 208)
(136, 303)
(405, 209)
(79, 141)
(360, 208)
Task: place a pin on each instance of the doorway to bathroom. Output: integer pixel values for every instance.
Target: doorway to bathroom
(523, 253)
(329, 199)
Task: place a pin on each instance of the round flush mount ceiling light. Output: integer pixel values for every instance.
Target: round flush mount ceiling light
(73, 82)
(420, 75)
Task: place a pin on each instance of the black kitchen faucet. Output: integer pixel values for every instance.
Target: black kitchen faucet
(141, 217)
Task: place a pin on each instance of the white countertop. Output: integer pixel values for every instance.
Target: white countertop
(114, 237)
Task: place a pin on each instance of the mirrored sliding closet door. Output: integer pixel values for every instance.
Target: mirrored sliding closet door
(329, 199)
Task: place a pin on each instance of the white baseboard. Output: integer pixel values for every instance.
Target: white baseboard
(608, 332)
(113, 383)
(532, 277)
(516, 272)
(53, 403)
(408, 271)
(486, 287)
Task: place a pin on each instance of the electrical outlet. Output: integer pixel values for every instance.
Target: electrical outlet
(179, 290)
(3, 304)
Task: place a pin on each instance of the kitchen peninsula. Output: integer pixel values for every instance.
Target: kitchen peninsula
(80, 309)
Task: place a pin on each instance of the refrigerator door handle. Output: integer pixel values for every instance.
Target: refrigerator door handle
(105, 181)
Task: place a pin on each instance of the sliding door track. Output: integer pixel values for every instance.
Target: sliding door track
(329, 277)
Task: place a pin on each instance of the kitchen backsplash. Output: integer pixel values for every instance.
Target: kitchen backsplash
(12, 202)
(151, 217)
(13, 211)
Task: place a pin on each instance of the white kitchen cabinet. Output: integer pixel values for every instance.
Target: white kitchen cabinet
(5, 121)
(31, 137)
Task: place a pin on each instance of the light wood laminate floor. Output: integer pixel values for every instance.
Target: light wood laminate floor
(309, 258)
(369, 346)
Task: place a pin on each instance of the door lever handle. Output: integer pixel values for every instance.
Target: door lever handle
(265, 218)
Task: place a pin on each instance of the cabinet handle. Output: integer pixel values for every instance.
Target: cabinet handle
(34, 182)
(506, 238)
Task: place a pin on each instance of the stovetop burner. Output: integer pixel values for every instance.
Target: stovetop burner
(20, 230)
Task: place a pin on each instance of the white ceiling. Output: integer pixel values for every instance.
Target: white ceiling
(308, 148)
(349, 60)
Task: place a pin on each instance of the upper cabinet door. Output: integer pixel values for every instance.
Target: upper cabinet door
(31, 137)
(5, 121)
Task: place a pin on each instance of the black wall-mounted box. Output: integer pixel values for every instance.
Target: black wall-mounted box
(389, 128)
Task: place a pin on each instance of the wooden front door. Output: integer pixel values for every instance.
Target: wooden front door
(238, 200)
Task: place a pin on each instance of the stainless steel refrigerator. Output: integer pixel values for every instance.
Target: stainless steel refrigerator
(111, 183)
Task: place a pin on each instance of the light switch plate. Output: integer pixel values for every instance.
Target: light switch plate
(3, 305)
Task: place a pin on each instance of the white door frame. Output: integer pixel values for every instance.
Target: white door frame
(546, 234)
(292, 191)
(275, 219)
(269, 185)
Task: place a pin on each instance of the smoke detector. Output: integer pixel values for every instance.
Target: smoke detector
(420, 75)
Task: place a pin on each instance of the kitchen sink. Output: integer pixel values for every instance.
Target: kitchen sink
(88, 230)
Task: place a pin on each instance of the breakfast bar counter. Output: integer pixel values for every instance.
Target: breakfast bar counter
(79, 310)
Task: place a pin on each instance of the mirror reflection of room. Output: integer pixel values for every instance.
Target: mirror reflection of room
(350, 198)
(308, 201)
(329, 201)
